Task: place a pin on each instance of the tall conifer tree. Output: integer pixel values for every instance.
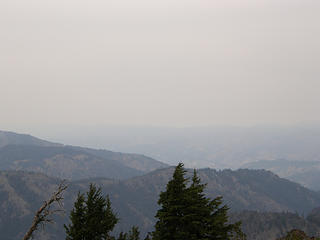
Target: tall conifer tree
(197, 213)
(92, 217)
(76, 230)
(170, 223)
(187, 214)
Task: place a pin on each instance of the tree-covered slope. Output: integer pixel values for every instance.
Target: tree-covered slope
(306, 173)
(135, 199)
(273, 225)
(63, 162)
(24, 152)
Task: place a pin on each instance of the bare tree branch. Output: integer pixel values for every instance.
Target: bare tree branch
(44, 213)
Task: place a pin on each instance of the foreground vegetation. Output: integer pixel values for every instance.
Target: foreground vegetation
(135, 202)
(185, 213)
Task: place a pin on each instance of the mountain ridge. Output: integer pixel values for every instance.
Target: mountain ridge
(13, 138)
(306, 173)
(25, 152)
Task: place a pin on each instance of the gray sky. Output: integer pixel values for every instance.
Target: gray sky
(159, 62)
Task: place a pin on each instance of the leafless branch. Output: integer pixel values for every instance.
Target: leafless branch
(44, 213)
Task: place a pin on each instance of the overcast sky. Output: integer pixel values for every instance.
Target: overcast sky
(159, 62)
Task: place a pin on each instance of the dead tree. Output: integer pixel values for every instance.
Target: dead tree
(44, 214)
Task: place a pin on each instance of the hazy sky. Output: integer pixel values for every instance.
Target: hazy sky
(159, 62)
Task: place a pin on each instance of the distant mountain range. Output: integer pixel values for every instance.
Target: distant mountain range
(214, 147)
(306, 173)
(24, 152)
(31, 168)
(135, 199)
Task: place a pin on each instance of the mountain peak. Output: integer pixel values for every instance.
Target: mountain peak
(12, 138)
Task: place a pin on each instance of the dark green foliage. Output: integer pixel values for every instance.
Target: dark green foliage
(123, 236)
(92, 217)
(186, 213)
(134, 234)
(77, 217)
(173, 202)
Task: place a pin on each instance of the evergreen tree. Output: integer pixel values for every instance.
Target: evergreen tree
(187, 214)
(197, 212)
(173, 202)
(77, 217)
(92, 217)
(123, 236)
(207, 218)
(134, 233)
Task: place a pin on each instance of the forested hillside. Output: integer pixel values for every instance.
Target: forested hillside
(24, 152)
(306, 173)
(272, 225)
(135, 199)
